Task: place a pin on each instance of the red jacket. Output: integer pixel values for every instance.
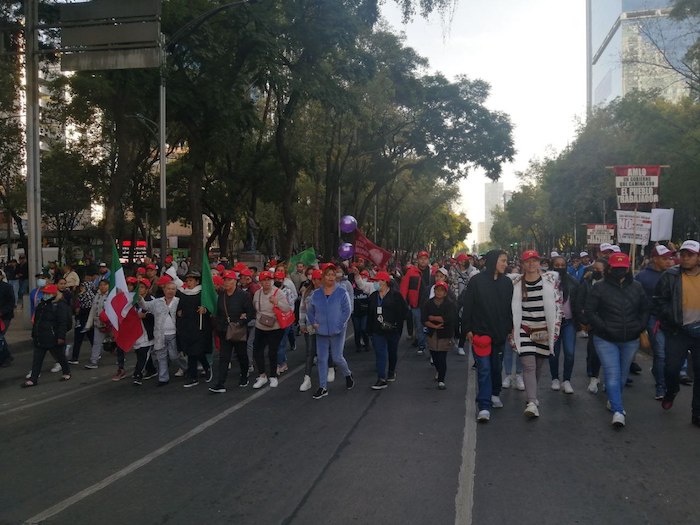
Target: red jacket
(411, 285)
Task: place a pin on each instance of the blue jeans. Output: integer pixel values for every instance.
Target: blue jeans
(15, 288)
(282, 350)
(567, 338)
(508, 356)
(615, 359)
(488, 374)
(418, 328)
(385, 349)
(333, 345)
(658, 347)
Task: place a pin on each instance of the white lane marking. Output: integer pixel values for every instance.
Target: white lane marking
(464, 501)
(52, 398)
(63, 505)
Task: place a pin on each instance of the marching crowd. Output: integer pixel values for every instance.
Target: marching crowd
(515, 318)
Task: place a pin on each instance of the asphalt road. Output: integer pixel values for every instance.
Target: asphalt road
(95, 451)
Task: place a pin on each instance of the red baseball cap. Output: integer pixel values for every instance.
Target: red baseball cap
(423, 253)
(383, 276)
(264, 275)
(151, 267)
(246, 273)
(163, 280)
(230, 274)
(619, 260)
(280, 275)
(239, 266)
(364, 273)
(50, 289)
(529, 254)
(169, 259)
(145, 282)
(316, 274)
(140, 270)
(217, 280)
(462, 257)
(482, 345)
(132, 280)
(441, 284)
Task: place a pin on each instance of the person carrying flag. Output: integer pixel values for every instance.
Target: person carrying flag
(194, 328)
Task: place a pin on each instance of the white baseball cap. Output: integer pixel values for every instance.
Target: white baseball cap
(615, 248)
(691, 246)
(554, 254)
(583, 254)
(444, 271)
(661, 251)
(606, 247)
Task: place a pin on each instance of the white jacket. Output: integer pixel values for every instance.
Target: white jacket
(552, 307)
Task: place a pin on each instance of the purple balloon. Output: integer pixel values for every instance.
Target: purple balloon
(348, 224)
(346, 250)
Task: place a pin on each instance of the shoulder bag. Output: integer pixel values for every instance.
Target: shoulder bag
(284, 319)
(235, 332)
(267, 321)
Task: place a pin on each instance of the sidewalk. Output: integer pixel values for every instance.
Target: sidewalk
(20, 330)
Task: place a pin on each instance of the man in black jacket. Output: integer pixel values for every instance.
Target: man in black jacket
(488, 312)
(51, 322)
(677, 305)
(7, 312)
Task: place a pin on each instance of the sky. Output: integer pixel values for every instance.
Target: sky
(531, 52)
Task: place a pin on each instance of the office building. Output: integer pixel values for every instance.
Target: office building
(630, 46)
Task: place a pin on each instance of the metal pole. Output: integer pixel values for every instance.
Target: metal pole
(339, 211)
(34, 257)
(375, 217)
(163, 158)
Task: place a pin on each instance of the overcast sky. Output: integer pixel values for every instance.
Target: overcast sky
(531, 52)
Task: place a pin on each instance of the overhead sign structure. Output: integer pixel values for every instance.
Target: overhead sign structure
(637, 186)
(600, 233)
(110, 34)
(633, 227)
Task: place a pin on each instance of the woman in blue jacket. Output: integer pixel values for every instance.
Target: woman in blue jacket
(329, 312)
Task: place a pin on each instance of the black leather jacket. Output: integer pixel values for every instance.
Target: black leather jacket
(619, 312)
(668, 300)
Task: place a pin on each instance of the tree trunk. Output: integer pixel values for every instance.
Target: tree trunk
(195, 191)
(223, 239)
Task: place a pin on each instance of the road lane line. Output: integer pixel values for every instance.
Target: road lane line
(464, 501)
(145, 460)
(54, 398)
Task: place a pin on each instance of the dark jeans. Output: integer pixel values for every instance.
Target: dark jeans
(310, 340)
(58, 353)
(440, 363)
(79, 335)
(144, 362)
(226, 352)
(386, 347)
(677, 347)
(359, 325)
(5, 354)
(192, 361)
(592, 359)
(271, 339)
(488, 371)
(567, 339)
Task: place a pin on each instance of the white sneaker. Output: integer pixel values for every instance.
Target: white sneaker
(555, 385)
(180, 372)
(273, 382)
(568, 389)
(618, 420)
(56, 368)
(306, 385)
(531, 410)
(496, 402)
(484, 416)
(519, 383)
(260, 382)
(461, 351)
(507, 381)
(331, 375)
(593, 385)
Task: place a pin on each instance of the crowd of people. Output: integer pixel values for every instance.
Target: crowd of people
(515, 318)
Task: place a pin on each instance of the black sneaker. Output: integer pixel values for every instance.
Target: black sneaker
(162, 383)
(635, 368)
(138, 381)
(380, 384)
(391, 377)
(243, 382)
(685, 379)
(321, 392)
(217, 389)
(190, 383)
(349, 382)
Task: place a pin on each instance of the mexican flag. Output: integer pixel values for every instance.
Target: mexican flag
(119, 307)
(208, 297)
(308, 257)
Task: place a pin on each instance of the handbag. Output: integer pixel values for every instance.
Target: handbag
(267, 321)
(235, 332)
(692, 330)
(284, 319)
(538, 335)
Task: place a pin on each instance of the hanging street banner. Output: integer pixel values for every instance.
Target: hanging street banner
(637, 186)
(633, 227)
(600, 233)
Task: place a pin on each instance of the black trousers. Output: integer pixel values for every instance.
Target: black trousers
(5, 355)
(58, 353)
(144, 362)
(440, 363)
(271, 339)
(79, 335)
(226, 352)
(677, 348)
(192, 361)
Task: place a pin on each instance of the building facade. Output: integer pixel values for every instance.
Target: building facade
(634, 45)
